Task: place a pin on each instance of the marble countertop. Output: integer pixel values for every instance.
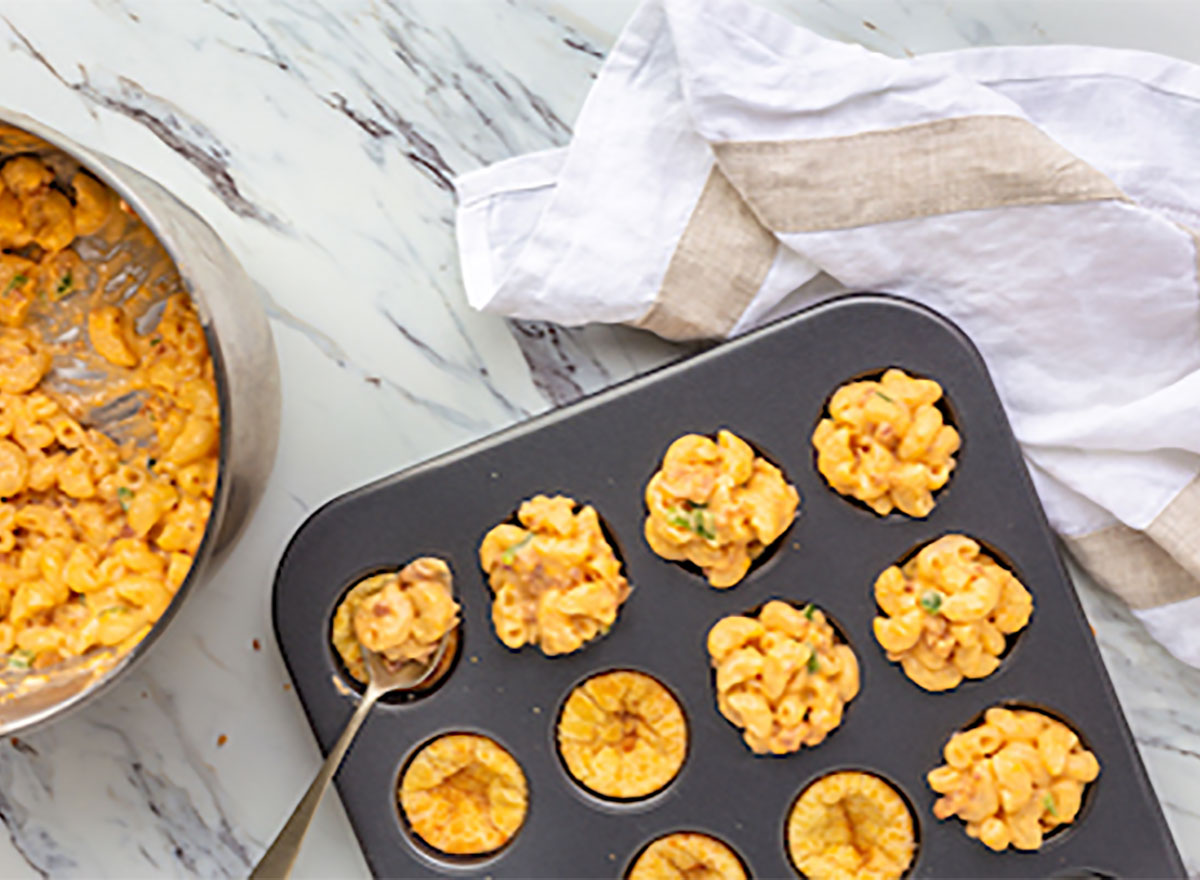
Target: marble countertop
(319, 138)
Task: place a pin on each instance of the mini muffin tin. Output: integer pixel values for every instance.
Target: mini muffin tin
(769, 387)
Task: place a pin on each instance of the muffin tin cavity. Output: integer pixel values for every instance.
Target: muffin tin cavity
(557, 581)
(1020, 776)
(768, 386)
(462, 795)
(622, 735)
(783, 675)
(718, 507)
(340, 641)
(851, 825)
(888, 442)
(950, 612)
(687, 855)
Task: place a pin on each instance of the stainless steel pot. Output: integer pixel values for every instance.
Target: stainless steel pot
(247, 379)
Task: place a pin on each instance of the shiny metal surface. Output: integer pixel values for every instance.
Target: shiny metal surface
(279, 859)
(247, 379)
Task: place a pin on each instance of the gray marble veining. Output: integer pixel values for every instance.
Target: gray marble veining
(320, 137)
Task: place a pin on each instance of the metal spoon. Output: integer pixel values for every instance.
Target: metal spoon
(280, 857)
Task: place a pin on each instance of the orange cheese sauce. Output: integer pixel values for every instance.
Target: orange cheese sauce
(102, 509)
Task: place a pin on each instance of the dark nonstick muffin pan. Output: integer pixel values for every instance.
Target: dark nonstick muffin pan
(769, 387)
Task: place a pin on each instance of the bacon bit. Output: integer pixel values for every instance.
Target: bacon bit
(287, 686)
(221, 740)
(256, 644)
(381, 610)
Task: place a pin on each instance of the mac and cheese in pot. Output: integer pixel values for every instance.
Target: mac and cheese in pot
(96, 535)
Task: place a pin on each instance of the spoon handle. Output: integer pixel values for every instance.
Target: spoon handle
(280, 857)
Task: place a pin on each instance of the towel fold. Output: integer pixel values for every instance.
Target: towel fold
(729, 167)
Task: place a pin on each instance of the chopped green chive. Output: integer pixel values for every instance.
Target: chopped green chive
(65, 285)
(809, 610)
(695, 519)
(931, 602)
(510, 555)
(677, 518)
(114, 609)
(20, 659)
(156, 340)
(813, 663)
(17, 280)
(885, 397)
(1051, 807)
(123, 497)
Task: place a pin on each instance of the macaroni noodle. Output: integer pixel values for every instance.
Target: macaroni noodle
(851, 826)
(884, 443)
(622, 734)
(784, 678)
(96, 536)
(717, 505)
(401, 615)
(1014, 778)
(556, 581)
(464, 795)
(947, 612)
(687, 856)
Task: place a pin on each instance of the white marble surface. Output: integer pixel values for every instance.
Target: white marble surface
(317, 137)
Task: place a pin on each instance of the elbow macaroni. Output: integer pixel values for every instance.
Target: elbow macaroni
(622, 734)
(1014, 778)
(884, 443)
(717, 505)
(96, 537)
(401, 615)
(783, 677)
(556, 581)
(851, 826)
(687, 856)
(947, 612)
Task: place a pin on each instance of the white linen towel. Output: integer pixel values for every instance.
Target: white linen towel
(1045, 199)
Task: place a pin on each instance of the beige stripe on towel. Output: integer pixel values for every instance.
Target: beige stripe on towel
(1132, 566)
(963, 164)
(1177, 529)
(719, 264)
